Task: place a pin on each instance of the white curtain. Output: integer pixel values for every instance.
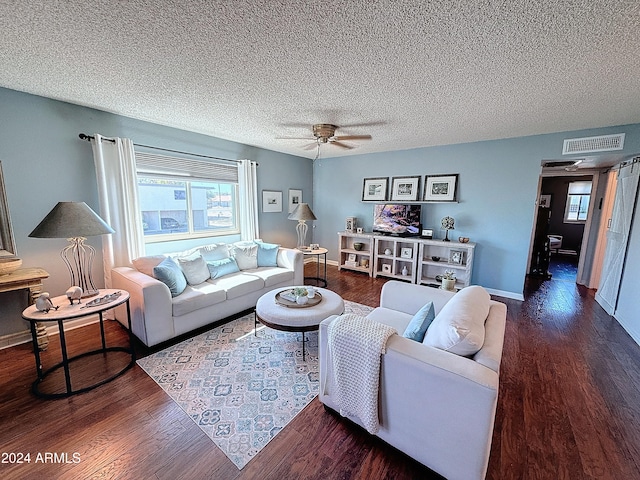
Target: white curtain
(248, 186)
(119, 205)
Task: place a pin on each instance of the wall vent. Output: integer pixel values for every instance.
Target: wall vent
(602, 143)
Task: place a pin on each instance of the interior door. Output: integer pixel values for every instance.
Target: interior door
(617, 236)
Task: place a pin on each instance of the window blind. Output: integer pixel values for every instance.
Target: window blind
(189, 169)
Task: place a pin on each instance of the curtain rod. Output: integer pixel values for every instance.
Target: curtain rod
(91, 137)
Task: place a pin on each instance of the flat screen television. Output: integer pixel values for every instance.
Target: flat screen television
(394, 219)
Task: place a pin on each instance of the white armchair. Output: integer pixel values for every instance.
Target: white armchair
(435, 406)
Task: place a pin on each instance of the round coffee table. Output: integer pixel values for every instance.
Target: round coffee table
(274, 315)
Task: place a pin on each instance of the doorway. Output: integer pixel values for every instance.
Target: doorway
(560, 225)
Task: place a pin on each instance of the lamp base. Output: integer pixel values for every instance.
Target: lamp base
(78, 258)
(301, 230)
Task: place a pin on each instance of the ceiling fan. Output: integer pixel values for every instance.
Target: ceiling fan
(326, 133)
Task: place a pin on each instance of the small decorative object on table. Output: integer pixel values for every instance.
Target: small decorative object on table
(9, 265)
(44, 303)
(449, 280)
(301, 295)
(463, 239)
(74, 293)
(447, 224)
(358, 246)
(435, 258)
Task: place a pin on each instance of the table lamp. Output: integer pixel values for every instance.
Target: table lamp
(302, 213)
(447, 224)
(74, 221)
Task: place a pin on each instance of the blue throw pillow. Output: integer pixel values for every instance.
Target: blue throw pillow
(169, 273)
(220, 268)
(420, 322)
(267, 254)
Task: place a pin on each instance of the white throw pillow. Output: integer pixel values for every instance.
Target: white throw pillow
(246, 255)
(146, 264)
(194, 268)
(459, 327)
(215, 252)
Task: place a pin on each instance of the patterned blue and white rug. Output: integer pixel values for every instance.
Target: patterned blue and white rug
(239, 388)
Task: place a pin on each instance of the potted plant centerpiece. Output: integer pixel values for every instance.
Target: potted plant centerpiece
(301, 295)
(449, 280)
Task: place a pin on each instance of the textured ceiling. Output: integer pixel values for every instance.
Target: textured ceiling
(409, 73)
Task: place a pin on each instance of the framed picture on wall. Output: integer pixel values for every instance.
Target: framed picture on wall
(440, 188)
(405, 189)
(271, 201)
(545, 201)
(375, 189)
(295, 199)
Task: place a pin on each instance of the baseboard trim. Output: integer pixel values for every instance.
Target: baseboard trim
(505, 294)
(18, 338)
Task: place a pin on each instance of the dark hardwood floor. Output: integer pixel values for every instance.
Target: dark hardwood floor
(569, 408)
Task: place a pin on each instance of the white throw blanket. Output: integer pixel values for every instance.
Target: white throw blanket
(355, 346)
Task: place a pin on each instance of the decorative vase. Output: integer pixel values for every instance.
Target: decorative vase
(311, 292)
(302, 300)
(387, 251)
(405, 272)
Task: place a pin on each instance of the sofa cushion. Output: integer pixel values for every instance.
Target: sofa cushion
(220, 268)
(420, 322)
(194, 268)
(169, 273)
(197, 297)
(145, 264)
(246, 255)
(238, 284)
(459, 327)
(216, 251)
(267, 254)
(272, 275)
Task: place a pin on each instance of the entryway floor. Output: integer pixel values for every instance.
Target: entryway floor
(563, 267)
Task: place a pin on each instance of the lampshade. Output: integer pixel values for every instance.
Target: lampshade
(302, 212)
(75, 221)
(71, 219)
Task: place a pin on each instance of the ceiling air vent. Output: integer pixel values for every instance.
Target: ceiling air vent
(602, 143)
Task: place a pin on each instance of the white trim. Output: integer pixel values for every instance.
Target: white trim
(18, 338)
(505, 294)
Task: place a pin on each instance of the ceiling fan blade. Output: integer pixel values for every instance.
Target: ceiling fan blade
(352, 137)
(294, 138)
(341, 145)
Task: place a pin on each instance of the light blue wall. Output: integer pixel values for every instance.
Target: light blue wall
(497, 190)
(45, 162)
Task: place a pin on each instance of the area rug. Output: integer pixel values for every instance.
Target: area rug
(239, 385)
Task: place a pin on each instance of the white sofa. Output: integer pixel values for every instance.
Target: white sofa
(436, 406)
(158, 316)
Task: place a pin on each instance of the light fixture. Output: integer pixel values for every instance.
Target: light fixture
(74, 221)
(302, 213)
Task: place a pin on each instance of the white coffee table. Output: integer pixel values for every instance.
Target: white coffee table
(299, 318)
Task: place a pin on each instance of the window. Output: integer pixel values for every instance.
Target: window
(578, 199)
(182, 198)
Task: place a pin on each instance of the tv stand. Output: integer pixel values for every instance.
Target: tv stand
(414, 253)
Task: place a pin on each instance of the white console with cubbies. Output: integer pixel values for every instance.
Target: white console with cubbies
(389, 256)
(352, 259)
